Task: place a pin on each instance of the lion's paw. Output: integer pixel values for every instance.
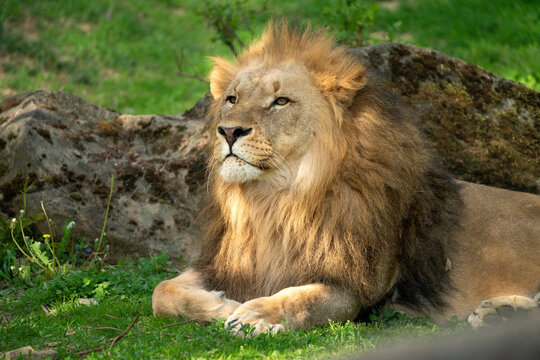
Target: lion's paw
(496, 311)
(252, 325)
(255, 317)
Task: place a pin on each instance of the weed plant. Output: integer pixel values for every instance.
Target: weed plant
(30, 257)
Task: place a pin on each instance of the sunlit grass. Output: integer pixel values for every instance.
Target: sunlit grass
(501, 36)
(121, 55)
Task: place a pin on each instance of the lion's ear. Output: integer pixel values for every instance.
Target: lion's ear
(221, 76)
(343, 84)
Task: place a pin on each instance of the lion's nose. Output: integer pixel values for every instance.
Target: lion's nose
(231, 134)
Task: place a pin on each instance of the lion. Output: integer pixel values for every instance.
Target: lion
(324, 202)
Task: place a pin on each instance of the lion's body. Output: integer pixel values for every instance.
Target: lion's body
(497, 248)
(345, 231)
(324, 201)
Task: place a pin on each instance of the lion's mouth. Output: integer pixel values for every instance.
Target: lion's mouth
(231, 155)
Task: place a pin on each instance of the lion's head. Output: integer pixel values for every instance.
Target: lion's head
(278, 109)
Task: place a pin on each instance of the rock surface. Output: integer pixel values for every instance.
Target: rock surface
(28, 352)
(69, 149)
(485, 128)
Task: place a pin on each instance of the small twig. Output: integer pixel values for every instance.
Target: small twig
(192, 76)
(229, 30)
(106, 215)
(125, 331)
(52, 238)
(85, 352)
(102, 328)
(176, 324)
(110, 316)
(151, 331)
(45, 310)
(181, 72)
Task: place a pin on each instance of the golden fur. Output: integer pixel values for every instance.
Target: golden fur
(344, 219)
(322, 206)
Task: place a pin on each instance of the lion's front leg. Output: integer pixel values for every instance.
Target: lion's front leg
(294, 308)
(185, 295)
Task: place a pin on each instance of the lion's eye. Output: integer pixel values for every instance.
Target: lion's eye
(282, 101)
(231, 99)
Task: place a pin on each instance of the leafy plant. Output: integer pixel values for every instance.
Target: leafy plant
(228, 17)
(12, 266)
(41, 255)
(354, 20)
(31, 257)
(8, 258)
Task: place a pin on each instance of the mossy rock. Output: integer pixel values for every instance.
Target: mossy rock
(66, 150)
(486, 129)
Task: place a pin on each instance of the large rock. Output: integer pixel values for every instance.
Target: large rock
(68, 149)
(485, 128)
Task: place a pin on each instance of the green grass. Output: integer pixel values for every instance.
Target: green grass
(121, 54)
(501, 36)
(71, 327)
(116, 54)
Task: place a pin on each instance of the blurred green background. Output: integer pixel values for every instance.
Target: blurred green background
(124, 54)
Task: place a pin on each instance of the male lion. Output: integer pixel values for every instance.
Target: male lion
(324, 202)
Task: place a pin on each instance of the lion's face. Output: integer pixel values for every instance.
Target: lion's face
(266, 121)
